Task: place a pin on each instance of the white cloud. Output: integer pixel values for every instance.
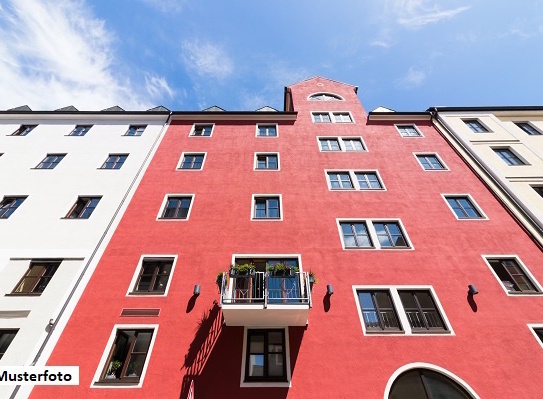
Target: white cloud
(414, 77)
(206, 59)
(380, 43)
(55, 53)
(420, 16)
(157, 87)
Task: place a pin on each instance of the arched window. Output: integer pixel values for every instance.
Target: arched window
(325, 97)
(426, 384)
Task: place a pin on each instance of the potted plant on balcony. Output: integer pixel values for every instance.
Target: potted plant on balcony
(113, 367)
(312, 277)
(282, 269)
(245, 270)
(219, 279)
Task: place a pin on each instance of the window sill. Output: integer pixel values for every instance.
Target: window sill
(23, 294)
(421, 332)
(116, 383)
(385, 332)
(148, 293)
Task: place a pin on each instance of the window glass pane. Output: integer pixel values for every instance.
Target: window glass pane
(256, 365)
(275, 365)
(408, 385)
(135, 365)
(143, 341)
(443, 388)
(257, 344)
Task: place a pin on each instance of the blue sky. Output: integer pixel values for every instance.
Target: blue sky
(406, 55)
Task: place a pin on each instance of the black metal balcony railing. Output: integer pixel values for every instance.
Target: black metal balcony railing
(264, 288)
(428, 319)
(385, 320)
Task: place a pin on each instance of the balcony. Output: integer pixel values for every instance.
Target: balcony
(263, 299)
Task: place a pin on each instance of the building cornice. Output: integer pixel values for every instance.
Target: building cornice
(399, 116)
(212, 116)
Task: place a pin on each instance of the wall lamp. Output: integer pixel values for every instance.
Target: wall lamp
(472, 290)
(329, 289)
(196, 290)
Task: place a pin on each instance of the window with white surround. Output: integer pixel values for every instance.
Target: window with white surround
(373, 234)
(192, 161)
(509, 157)
(176, 207)
(539, 190)
(80, 130)
(341, 144)
(202, 130)
(528, 128)
(476, 126)
(114, 161)
(83, 207)
(23, 130)
(153, 275)
(431, 162)
(9, 205)
(324, 97)
(536, 329)
(6, 336)
(267, 130)
(513, 275)
(266, 161)
(402, 310)
(124, 363)
(135, 130)
(408, 131)
(266, 207)
(354, 180)
(50, 161)
(332, 117)
(463, 206)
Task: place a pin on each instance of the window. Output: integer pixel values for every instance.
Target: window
(135, 130)
(536, 329)
(372, 234)
(430, 162)
(23, 130)
(202, 130)
(50, 161)
(192, 161)
(353, 145)
(37, 277)
(154, 276)
(408, 131)
(340, 181)
(83, 208)
(6, 336)
(378, 311)
(266, 207)
(128, 356)
(8, 206)
(342, 117)
(177, 207)
(329, 144)
(267, 161)
(266, 130)
(266, 356)
(508, 156)
(341, 144)
(421, 311)
(402, 310)
(324, 97)
(463, 207)
(114, 161)
(539, 190)
(475, 126)
(512, 276)
(81, 130)
(528, 128)
(321, 117)
(368, 181)
(426, 384)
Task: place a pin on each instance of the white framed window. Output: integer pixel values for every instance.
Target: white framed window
(431, 162)
(332, 117)
(464, 207)
(266, 161)
(192, 161)
(135, 130)
(153, 275)
(476, 126)
(408, 130)
(362, 180)
(126, 356)
(509, 156)
(344, 144)
(265, 358)
(267, 207)
(528, 128)
(513, 275)
(325, 97)
(537, 330)
(400, 310)
(202, 130)
(176, 207)
(267, 130)
(358, 233)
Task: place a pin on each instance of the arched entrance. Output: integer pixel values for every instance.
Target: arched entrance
(424, 383)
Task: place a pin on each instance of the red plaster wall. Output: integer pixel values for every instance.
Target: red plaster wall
(491, 349)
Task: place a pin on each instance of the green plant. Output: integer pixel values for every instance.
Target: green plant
(246, 268)
(114, 366)
(312, 277)
(219, 279)
(281, 269)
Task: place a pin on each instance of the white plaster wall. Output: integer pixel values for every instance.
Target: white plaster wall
(38, 229)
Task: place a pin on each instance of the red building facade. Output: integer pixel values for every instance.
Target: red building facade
(390, 220)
